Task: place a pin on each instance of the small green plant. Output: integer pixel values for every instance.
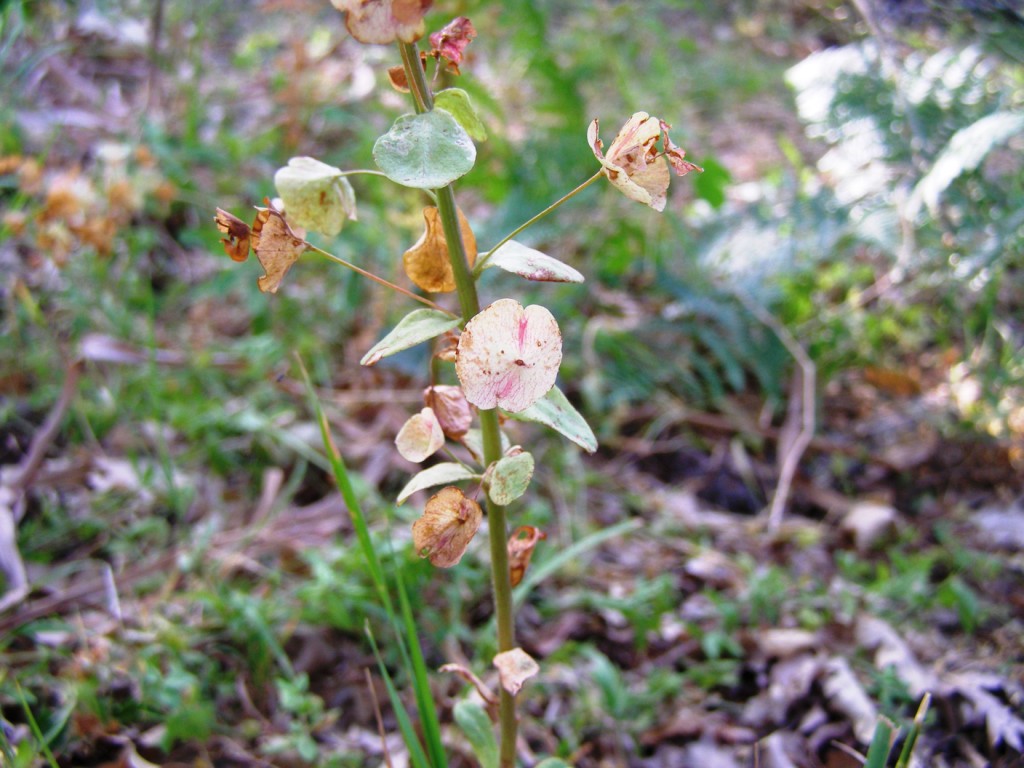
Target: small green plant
(489, 363)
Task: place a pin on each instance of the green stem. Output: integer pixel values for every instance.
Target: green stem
(480, 264)
(489, 427)
(376, 279)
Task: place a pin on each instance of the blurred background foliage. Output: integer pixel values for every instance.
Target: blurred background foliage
(863, 184)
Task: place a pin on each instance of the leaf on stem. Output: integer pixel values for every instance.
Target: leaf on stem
(515, 667)
(384, 21)
(425, 151)
(508, 356)
(445, 473)
(554, 410)
(456, 101)
(236, 244)
(277, 246)
(520, 550)
(427, 263)
(420, 437)
(451, 408)
(526, 262)
(450, 41)
(510, 477)
(316, 195)
(448, 524)
(418, 326)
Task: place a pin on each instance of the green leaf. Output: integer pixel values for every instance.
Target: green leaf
(533, 265)
(553, 762)
(425, 151)
(878, 752)
(456, 101)
(964, 152)
(475, 723)
(554, 410)
(418, 326)
(440, 474)
(316, 196)
(510, 478)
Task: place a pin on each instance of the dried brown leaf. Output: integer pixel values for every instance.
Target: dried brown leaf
(277, 246)
(427, 263)
(520, 550)
(451, 408)
(236, 244)
(448, 524)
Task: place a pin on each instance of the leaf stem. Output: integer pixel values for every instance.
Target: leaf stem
(380, 280)
(489, 427)
(483, 261)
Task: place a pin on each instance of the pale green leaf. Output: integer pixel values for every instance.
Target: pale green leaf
(440, 474)
(456, 101)
(474, 722)
(553, 762)
(532, 264)
(554, 410)
(425, 151)
(418, 326)
(316, 196)
(510, 478)
(965, 151)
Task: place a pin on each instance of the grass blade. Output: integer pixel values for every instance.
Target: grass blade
(416, 753)
(420, 679)
(915, 731)
(880, 743)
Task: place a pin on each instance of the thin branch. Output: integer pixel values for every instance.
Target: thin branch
(804, 397)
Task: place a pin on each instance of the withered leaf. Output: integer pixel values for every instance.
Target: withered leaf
(384, 21)
(277, 246)
(515, 667)
(448, 524)
(451, 408)
(450, 42)
(520, 550)
(236, 244)
(420, 436)
(634, 161)
(427, 263)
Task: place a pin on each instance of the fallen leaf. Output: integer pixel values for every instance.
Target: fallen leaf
(449, 522)
(508, 356)
(845, 694)
(420, 437)
(427, 263)
(634, 161)
(868, 524)
(384, 21)
(515, 667)
(520, 550)
(451, 408)
(450, 41)
(277, 247)
(236, 244)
